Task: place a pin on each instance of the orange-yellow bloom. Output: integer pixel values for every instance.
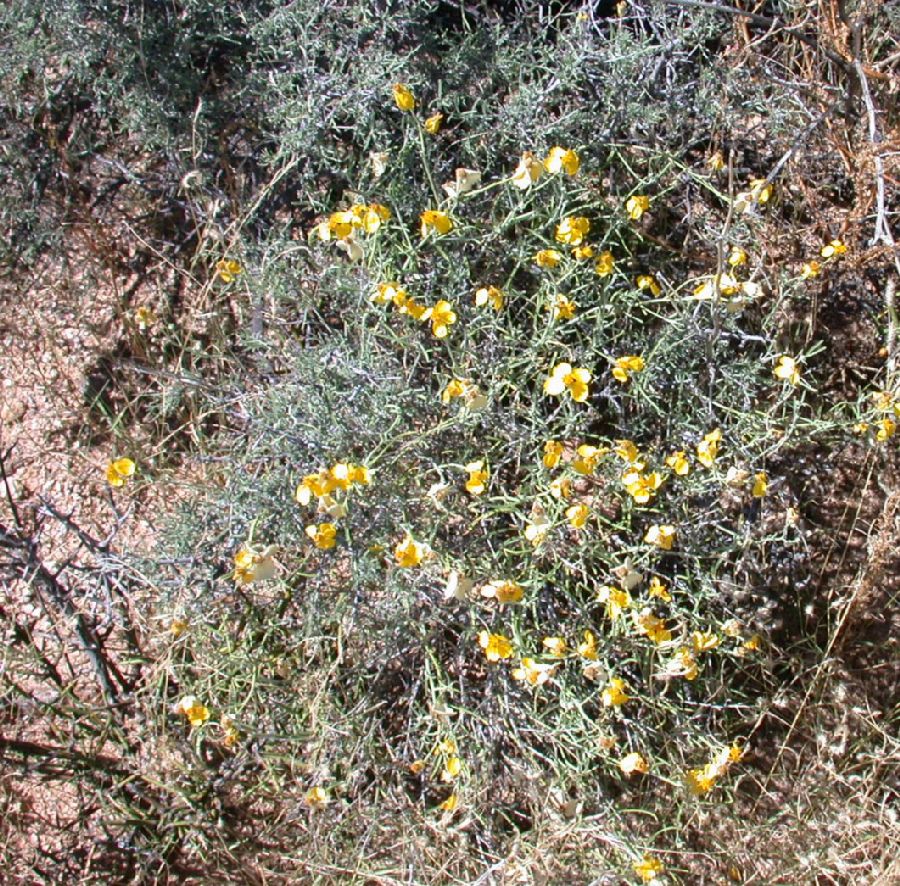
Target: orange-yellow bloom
(572, 230)
(562, 307)
(562, 160)
(547, 258)
(564, 377)
(192, 708)
(625, 366)
(403, 96)
(661, 536)
(605, 264)
(527, 172)
(435, 218)
(614, 694)
(120, 471)
(496, 647)
(636, 206)
(433, 124)
(489, 295)
(410, 552)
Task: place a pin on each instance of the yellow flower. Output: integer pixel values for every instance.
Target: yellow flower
(648, 868)
(547, 258)
(322, 536)
(642, 487)
(489, 295)
(319, 485)
(588, 647)
(317, 798)
(450, 803)
(496, 647)
(231, 734)
(403, 96)
(715, 162)
(562, 307)
(442, 318)
(578, 515)
(648, 281)
(370, 218)
(703, 641)
(583, 252)
(533, 673)
(228, 270)
(628, 452)
(679, 463)
(737, 257)
(410, 552)
(433, 124)
(564, 377)
(503, 591)
(708, 448)
(435, 218)
(616, 600)
(614, 694)
(561, 488)
(144, 317)
(605, 264)
(119, 472)
(760, 191)
(752, 644)
(701, 781)
(760, 485)
(471, 396)
(657, 589)
(887, 427)
(527, 172)
(537, 527)
(809, 270)
(682, 664)
(196, 712)
(649, 625)
(452, 768)
(833, 249)
(553, 451)
(587, 458)
(633, 762)
(253, 565)
(572, 230)
(625, 366)
(562, 160)
(636, 206)
(478, 477)
(178, 627)
(389, 293)
(556, 646)
(661, 536)
(883, 401)
(786, 369)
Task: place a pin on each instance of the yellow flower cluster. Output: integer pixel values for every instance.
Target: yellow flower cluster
(566, 378)
(441, 315)
(323, 486)
(530, 168)
(254, 564)
(344, 226)
(703, 780)
(227, 270)
(465, 390)
(119, 472)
